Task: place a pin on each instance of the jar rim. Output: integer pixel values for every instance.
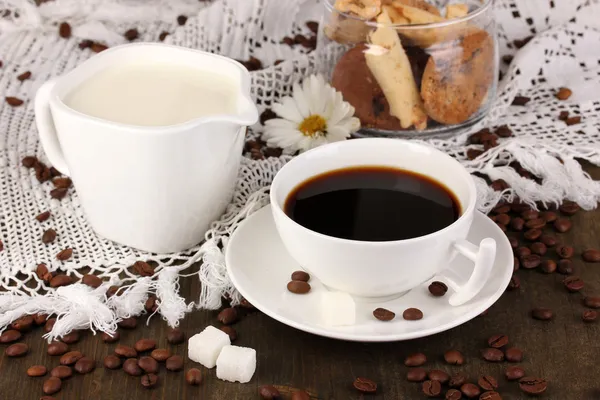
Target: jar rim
(329, 4)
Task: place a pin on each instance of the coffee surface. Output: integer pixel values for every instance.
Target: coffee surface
(153, 94)
(372, 203)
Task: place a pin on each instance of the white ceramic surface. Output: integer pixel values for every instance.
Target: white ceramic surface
(382, 269)
(153, 188)
(260, 268)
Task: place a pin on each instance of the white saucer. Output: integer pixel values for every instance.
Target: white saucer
(260, 269)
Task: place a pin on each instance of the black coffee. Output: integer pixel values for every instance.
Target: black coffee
(372, 203)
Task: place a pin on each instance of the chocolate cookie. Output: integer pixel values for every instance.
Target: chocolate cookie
(458, 76)
(357, 84)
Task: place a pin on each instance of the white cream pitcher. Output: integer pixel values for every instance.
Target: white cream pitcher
(155, 187)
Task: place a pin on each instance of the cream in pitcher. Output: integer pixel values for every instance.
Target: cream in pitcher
(152, 137)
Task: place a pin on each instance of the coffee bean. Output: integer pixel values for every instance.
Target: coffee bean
(70, 358)
(246, 304)
(563, 93)
(520, 101)
(541, 313)
(573, 120)
(10, 336)
(85, 44)
(182, 19)
(43, 216)
(522, 251)
(149, 380)
(588, 301)
(37, 370)
(61, 372)
(150, 305)
(531, 261)
(106, 338)
(513, 355)
(230, 332)
(416, 374)
(112, 291)
(230, 315)
(49, 325)
(569, 208)
(148, 364)
(163, 35)
(64, 30)
(58, 193)
(128, 323)
(30, 162)
(174, 363)
(193, 376)
(457, 380)
(562, 225)
(492, 355)
(42, 174)
(91, 280)
(490, 395)
(160, 354)
(565, 251)
(415, 360)
(474, 153)
(538, 248)
(514, 242)
(13, 101)
(549, 216)
(533, 386)
(175, 336)
(300, 276)
(548, 266)
(537, 223)
(300, 395)
(504, 219)
(131, 367)
(487, 382)
(454, 357)
(438, 375)
(52, 385)
(516, 264)
(62, 182)
(365, 385)
(269, 392)
(530, 214)
(517, 224)
(85, 365)
(57, 348)
(298, 287)
(131, 34)
(142, 268)
(412, 314)
(48, 236)
(453, 394)
(501, 209)
(591, 255)
(125, 351)
(501, 226)
(438, 288)
(514, 372)
(565, 267)
(514, 283)
(23, 324)
(499, 184)
(65, 254)
(431, 388)
(589, 315)
(70, 338)
(532, 234)
(16, 350)
(61, 280)
(112, 362)
(144, 345)
(383, 315)
(498, 341)
(41, 271)
(470, 390)
(573, 284)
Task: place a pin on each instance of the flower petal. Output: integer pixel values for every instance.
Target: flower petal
(302, 100)
(287, 109)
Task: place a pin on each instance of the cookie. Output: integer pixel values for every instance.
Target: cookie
(422, 4)
(458, 76)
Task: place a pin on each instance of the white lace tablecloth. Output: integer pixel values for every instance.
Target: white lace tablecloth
(564, 52)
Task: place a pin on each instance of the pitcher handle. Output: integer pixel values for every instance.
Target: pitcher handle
(46, 128)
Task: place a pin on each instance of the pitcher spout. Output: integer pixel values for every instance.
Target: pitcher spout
(247, 113)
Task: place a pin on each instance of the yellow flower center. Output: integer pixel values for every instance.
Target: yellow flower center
(312, 125)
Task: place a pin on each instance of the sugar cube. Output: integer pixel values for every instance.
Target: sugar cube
(337, 309)
(206, 346)
(236, 364)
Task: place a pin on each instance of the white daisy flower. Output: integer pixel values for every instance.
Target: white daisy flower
(316, 114)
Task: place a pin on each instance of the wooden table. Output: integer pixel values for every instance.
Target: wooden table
(565, 351)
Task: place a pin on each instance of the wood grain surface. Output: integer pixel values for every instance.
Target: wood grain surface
(565, 351)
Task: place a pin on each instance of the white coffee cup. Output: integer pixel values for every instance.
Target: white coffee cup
(154, 188)
(379, 270)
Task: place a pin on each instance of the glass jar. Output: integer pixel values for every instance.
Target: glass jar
(409, 68)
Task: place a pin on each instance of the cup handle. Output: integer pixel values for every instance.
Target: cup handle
(46, 128)
(483, 256)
